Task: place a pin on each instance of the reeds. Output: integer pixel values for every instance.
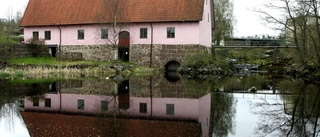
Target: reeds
(57, 71)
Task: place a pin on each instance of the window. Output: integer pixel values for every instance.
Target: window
(47, 102)
(80, 34)
(47, 35)
(170, 109)
(81, 104)
(104, 105)
(36, 102)
(170, 32)
(143, 33)
(143, 107)
(104, 33)
(35, 35)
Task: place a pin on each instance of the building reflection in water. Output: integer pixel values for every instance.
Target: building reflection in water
(135, 107)
(154, 106)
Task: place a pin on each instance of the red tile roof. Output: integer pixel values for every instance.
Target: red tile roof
(58, 125)
(68, 12)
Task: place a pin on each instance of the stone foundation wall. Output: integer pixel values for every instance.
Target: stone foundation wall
(162, 54)
(69, 56)
(139, 54)
(91, 52)
(96, 87)
(159, 87)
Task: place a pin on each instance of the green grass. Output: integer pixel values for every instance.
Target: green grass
(4, 74)
(53, 62)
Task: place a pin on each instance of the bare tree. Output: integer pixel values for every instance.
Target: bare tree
(299, 20)
(112, 19)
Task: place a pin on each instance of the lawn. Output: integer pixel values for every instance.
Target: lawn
(71, 72)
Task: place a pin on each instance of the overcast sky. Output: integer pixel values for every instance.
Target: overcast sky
(12, 6)
(248, 22)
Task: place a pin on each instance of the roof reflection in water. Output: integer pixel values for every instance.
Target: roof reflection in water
(153, 106)
(119, 109)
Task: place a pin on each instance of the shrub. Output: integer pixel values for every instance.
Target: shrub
(197, 59)
(37, 47)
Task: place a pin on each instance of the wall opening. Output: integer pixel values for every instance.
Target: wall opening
(172, 66)
(53, 49)
(123, 52)
(172, 71)
(123, 46)
(124, 95)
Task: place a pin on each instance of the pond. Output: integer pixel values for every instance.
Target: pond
(160, 106)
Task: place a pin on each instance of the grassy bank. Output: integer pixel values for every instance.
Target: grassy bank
(47, 67)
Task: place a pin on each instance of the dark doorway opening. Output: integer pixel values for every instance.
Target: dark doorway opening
(124, 95)
(52, 50)
(124, 46)
(123, 53)
(53, 88)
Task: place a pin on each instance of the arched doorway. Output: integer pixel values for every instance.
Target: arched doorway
(124, 45)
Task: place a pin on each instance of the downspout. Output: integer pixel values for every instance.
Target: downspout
(59, 41)
(151, 45)
(60, 107)
(151, 104)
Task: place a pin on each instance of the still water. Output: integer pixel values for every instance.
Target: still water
(159, 106)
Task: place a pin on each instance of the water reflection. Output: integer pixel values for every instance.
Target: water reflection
(296, 115)
(11, 122)
(136, 107)
(154, 106)
(223, 114)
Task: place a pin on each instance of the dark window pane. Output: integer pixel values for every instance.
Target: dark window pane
(47, 35)
(143, 33)
(35, 102)
(170, 32)
(104, 105)
(35, 35)
(47, 102)
(80, 34)
(143, 107)
(80, 104)
(170, 109)
(104, 33)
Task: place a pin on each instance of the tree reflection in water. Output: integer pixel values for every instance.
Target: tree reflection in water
(9, 112)
(8, 109)
(296, 116)
(223, 114)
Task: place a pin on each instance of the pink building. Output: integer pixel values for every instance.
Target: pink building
(151, 32)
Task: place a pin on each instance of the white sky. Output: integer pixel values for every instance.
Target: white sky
(12, 6)
(248, 21)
